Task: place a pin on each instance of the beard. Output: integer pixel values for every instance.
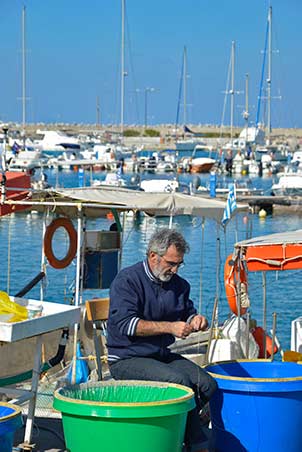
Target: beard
(162, 275)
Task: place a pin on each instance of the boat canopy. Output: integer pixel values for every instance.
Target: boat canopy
(96, 202)
(280, 251)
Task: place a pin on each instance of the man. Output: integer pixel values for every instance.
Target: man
(149, 307)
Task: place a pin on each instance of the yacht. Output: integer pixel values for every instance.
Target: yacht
(53, 142)
(289, 183)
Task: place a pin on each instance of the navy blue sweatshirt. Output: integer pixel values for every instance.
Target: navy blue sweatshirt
(136, 294)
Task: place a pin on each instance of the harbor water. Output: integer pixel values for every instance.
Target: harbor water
(21, 240)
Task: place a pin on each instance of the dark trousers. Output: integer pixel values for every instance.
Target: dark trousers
(173, 369)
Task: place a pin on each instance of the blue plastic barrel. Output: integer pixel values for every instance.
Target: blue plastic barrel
(10, 421)
(257, 407)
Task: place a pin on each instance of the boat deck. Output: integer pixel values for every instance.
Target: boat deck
(47, 436)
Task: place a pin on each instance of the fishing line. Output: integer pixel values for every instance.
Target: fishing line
(201, 265)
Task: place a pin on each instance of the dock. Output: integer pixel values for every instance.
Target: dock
(271, 204)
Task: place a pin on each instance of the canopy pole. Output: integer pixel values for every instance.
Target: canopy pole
(77, 292)
(218, 260)
(274, 335)
(43, 259)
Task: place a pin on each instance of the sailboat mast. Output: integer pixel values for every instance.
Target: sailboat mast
(246, 112)
(269, 74)
(232, 92)
(185, 85)
(23, 75)
(97, 111)
(123, 69)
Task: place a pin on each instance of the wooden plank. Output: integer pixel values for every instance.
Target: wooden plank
(97, 309)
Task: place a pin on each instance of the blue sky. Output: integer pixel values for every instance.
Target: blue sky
(73, 57)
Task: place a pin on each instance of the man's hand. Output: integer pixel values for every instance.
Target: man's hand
(181, 329)
(199, 323)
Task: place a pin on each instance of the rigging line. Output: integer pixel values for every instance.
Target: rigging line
(201, 265)
(130, 53)
(262, 75)
(225, 96)
(179, 93)
(218, 263)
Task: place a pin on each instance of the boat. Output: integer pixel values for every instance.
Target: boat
(26, 160)
(188, 145)
(289, 184)
(195, 165)
(244, 187)
(164, 186)
(92, 202)
(119, 181)
(54, 142)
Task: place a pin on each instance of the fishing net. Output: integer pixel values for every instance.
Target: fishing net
(125, 392)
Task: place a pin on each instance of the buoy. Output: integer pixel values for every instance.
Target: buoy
(264, 341)
(262, 213)
(231, 276)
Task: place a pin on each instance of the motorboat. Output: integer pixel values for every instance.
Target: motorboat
(26, 160)
(289, 183)
(54, 142)
(164, 186)
(201, 164)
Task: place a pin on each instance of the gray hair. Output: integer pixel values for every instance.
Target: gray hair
(161, 240)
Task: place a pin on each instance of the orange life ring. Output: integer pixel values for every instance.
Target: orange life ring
(231, 280)
(264, 341)
(72, 234)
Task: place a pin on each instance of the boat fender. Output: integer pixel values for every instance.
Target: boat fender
(231, 280)
(263, 340)
(72, 234)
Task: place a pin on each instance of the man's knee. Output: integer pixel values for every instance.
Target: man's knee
(180, 379)
(212, 387)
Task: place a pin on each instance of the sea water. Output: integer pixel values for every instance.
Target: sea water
(21, 251)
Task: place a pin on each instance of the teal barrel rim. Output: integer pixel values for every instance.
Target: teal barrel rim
(166, 399)
(236, 375)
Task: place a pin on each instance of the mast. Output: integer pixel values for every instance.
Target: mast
(232, 91)
(246, 111)
(185, 85)
(23, 76)
(269, 74)
(97, 111)
(122, 69)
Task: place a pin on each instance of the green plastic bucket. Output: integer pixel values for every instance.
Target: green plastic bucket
(124, 416)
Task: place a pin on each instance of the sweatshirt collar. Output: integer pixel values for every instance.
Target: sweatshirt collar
(149, 272)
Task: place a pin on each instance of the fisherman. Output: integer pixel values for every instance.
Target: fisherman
(150, 306)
